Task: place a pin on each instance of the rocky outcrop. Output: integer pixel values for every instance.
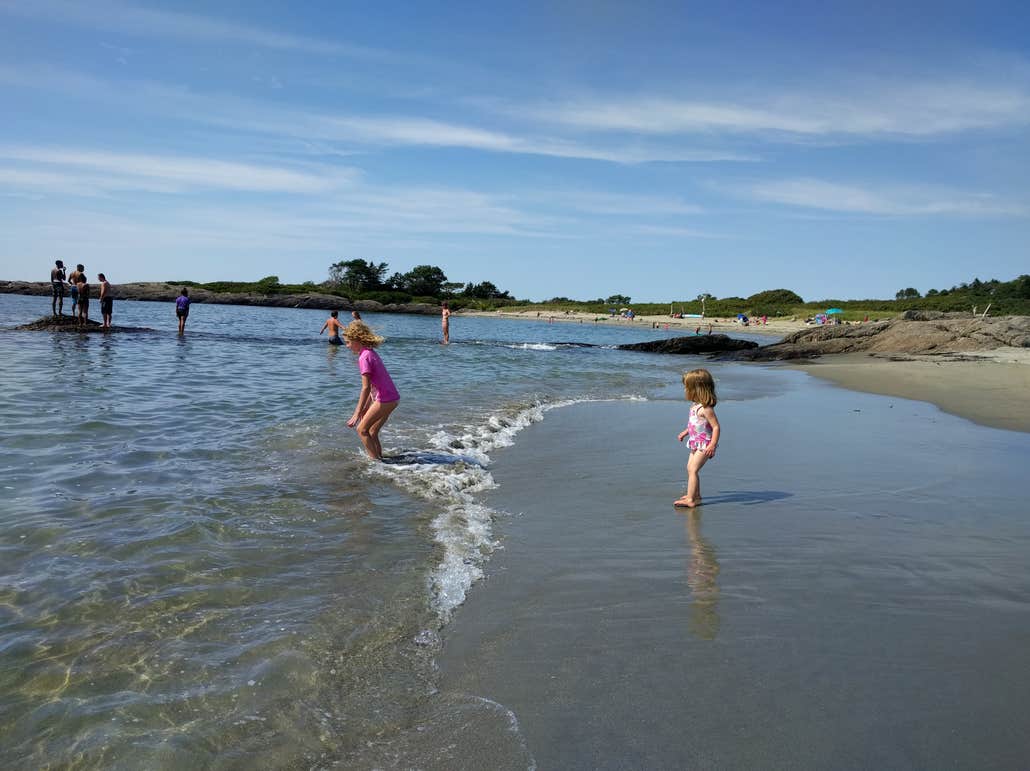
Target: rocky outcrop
(71, 324)
(164, 292)
(944, 335)
(696, 344)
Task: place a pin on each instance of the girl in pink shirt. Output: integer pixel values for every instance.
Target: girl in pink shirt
(379, 396)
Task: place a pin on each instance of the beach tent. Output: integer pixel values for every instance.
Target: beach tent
(834, 310)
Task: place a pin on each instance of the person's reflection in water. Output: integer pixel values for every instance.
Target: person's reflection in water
(331, 351)
(702, 575)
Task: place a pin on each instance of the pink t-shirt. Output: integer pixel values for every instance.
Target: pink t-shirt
(383, 389)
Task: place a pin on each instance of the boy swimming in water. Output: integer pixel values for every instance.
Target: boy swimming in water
(334, 326)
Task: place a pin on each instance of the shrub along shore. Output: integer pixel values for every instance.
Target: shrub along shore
(995, 297)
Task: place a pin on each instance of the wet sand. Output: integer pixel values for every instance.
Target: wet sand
(852, 593)
(991, 388)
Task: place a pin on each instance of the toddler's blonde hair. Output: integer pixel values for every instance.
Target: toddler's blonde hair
(699, 386)
(360, 332)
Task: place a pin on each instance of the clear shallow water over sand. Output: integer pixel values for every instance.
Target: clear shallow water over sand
(198, 566)
(200, 570)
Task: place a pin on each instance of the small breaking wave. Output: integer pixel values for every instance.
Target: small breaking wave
(453, 476)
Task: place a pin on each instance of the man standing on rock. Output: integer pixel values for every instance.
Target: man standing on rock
(57, 288)
(106, 300)
(73, 287)
(83, 286)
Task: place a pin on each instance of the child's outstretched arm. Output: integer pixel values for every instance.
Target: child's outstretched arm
(713, 421)
(323, 328)
(363, 401)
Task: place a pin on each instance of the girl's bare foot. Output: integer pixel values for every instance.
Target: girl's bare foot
(685, 501)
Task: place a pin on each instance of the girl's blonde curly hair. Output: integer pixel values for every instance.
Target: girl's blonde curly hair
(699, 386)
(360, 332)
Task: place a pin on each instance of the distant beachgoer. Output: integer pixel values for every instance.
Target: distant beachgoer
(702, 431)
(182, 308)
(355, 315)
(379, 396)
(106, 300)
(57, 278)
(83, 297)
(334, 326)
(445, 320)
(73, 288)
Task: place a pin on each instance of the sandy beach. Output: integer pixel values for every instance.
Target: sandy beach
(991, 388)
(775, 327)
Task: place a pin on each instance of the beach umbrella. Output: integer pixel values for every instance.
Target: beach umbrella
(834, 310)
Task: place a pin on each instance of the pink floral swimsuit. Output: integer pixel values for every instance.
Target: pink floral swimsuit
(699, 430)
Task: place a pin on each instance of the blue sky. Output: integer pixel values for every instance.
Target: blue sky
(658, 150)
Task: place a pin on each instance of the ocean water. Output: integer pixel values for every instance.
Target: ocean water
(199, 567)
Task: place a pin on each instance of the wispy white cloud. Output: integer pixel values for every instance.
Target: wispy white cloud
(890, 201)
(617, 204)
(670, 231)
(904, 109)
(371, 131)
(151, 22)
(79, 171)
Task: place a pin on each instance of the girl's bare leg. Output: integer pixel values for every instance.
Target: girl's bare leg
(694, 463)
(371, 423)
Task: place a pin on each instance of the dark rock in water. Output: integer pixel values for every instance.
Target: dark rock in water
(71, 324)
(695, 344)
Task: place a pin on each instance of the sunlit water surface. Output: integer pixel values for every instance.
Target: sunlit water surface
(199, 568)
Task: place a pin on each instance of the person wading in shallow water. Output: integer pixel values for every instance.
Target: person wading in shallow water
(379, 396)
(445, 320)
(57, 288)
(182, 308)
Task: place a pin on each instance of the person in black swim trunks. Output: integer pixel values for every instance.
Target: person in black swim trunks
(106, 300)
(57, 288)
(334, 326)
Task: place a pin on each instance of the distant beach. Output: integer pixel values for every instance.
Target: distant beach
(775, 327)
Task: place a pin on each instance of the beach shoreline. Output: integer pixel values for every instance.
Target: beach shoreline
(615, 631)
(991, 388)
(775, 327)
(988, 387)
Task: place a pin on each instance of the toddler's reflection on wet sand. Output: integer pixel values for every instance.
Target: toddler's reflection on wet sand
(702, 575)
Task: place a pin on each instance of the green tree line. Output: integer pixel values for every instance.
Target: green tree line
(360, 279)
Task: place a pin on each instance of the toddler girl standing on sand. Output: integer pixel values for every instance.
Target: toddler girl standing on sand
(701, 433)
(379, 396)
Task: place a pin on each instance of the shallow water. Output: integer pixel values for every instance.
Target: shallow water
(200, 568)
(853, 593)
